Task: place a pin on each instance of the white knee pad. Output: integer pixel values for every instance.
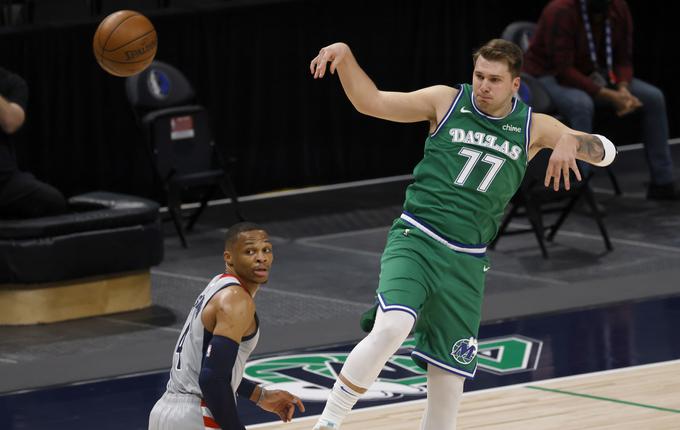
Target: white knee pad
(368, 358)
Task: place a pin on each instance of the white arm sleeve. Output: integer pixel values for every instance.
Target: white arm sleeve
(609, 151)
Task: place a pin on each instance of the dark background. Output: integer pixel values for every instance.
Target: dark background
(249, 62)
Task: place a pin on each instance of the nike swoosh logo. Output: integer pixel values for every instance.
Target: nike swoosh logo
(465, 110)
(486, 268)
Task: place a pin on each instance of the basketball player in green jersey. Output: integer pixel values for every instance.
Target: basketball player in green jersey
(434, 264)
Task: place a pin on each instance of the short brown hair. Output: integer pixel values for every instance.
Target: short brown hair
(502, 50)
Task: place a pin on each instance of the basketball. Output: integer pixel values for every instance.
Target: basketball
(125, 43)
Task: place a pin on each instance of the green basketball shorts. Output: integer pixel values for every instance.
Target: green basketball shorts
(442, 288)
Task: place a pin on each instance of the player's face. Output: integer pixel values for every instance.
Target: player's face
(251, 256)
(493, 85)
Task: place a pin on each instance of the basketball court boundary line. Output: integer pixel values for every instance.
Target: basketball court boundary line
(364, 306)
(360, 183)
(490, 390)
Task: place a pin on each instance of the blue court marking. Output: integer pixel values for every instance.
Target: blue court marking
(575, 342)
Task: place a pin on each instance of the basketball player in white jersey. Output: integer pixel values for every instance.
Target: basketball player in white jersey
(219, 334)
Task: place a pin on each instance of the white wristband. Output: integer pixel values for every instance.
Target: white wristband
(609, 151)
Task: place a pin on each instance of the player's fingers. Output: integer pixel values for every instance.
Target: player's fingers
(312, 65)
(291, 411)
(548, 175)
(324, 61)
(574, 167)
(317, 66)
(556, 178)
(334, 66)
(565, 175)
(299, 404)
(321, 61)
(318, 63)
(320, 67)
(281, 412)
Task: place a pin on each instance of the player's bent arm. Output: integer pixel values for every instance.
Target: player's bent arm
(234, 311)
(547, 132)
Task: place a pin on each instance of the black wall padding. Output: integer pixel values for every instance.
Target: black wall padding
(123, 234)
(249, 62)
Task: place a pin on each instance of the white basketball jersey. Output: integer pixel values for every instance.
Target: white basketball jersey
(194, 340)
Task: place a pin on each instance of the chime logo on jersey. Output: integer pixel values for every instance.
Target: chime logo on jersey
(311, 375)
(464, 350)
(510, 127)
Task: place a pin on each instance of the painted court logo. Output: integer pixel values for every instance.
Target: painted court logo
(464, 350)
(311, 375)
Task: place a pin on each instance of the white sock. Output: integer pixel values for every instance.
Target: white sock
(444, 391)
(364, 364)
(340, 402)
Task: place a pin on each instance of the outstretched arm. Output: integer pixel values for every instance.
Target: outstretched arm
(567, 145)
(427, 104)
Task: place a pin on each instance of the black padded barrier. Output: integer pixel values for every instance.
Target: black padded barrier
(105, 233)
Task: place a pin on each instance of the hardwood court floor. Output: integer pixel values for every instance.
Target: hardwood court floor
(641, 397)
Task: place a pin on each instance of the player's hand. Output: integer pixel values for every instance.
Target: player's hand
(562, 160)
(282, 403)
(333, 53)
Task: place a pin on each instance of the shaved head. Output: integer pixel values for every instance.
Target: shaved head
(235, 230)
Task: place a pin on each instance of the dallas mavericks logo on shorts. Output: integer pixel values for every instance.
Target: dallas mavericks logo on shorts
(464, 350)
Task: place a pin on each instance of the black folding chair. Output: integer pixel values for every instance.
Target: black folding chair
(533, 200)
(180, 140)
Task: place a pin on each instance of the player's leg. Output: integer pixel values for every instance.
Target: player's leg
(444, 391)
(363, 365)
(446, 338)
(401, 293)
(177, 411)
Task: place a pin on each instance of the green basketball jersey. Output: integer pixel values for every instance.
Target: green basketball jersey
(472, 166)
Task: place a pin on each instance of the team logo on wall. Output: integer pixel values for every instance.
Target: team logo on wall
(311, 376)
(464, 350)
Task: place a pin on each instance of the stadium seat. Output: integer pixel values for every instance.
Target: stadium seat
(180, 140)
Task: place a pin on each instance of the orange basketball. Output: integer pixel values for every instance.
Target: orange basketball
(125, 43)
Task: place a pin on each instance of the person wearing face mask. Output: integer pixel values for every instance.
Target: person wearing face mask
(582, 52)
